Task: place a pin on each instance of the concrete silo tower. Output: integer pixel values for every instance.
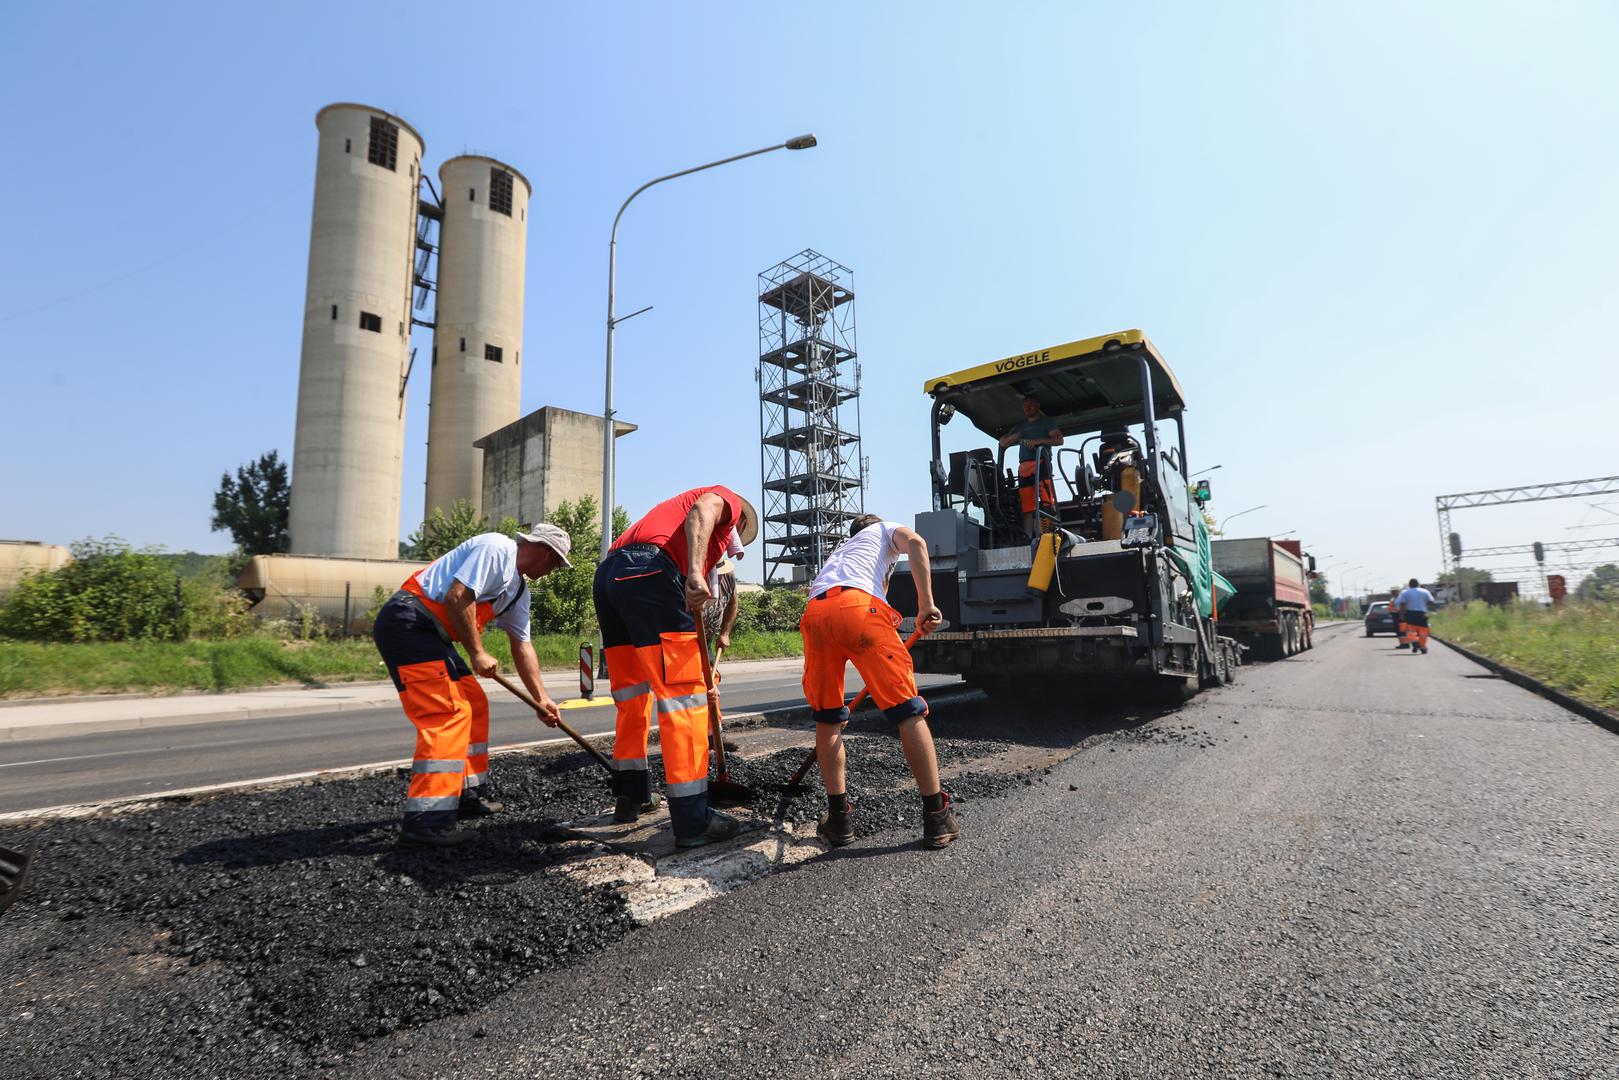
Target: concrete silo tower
(478, 322)
(348, 455)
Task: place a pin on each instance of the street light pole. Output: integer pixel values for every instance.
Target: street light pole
(800, 142)
(1200, 472)
(1226, 521)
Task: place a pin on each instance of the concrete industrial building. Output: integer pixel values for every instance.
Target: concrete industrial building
(478, 322)
(348, 454)
(549, 457)
(20, 558)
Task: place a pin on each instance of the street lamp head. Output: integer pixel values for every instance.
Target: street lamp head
(800, 142)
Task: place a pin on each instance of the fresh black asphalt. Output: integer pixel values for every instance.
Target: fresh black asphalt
(1353, 863)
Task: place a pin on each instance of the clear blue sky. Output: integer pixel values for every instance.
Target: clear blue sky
(1376, 241)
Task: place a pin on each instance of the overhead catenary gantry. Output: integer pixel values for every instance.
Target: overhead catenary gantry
(1563, 489)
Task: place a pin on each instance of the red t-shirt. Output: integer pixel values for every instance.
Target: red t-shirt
(665, 526)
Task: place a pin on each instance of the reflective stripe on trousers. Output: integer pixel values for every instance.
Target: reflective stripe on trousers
(449, 714)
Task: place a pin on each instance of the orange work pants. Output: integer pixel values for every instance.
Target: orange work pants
(844, 625)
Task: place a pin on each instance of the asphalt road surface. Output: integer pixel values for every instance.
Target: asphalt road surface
(1356, 863)
(109, 765)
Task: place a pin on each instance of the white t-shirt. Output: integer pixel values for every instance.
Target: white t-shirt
(862, 562)
(1416, 599)
(486, 564)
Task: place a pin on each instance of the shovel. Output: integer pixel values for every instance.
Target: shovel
(14, 866)
(797, 778)
(585, 744)
(722, 791)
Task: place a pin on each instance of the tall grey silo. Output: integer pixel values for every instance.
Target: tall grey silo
(348, 455)
(478, 324)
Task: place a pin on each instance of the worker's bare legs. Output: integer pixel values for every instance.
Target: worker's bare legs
(829, 754)
(916, 739)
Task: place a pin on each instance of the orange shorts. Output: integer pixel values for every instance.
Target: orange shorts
(844, 625)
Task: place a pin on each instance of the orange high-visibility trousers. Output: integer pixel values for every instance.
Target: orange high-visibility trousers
(650, 642)
(843, 626)
(448, 708)
(1027, 489)
(1416, 629)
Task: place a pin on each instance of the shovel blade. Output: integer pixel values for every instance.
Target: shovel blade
(14, 867)
(725, 793)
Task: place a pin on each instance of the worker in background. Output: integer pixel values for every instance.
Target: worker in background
(848, 619)
(1034, 468)
(649, 591)
(1414, 603)
(478, 582)
(719, 614)
(1399, 623)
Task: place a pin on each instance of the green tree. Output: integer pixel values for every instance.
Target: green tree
(109, 592)
(1470, 578)
(441, 532)
(562, 599)
(1600, 584)
(1319, 593)
(253, 506)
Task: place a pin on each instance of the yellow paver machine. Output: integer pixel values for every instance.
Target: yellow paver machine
(1108, 581)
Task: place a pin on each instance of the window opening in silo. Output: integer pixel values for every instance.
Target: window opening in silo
(370, 322)
(472, 194)
(435, 356)
(492, 352)
(500, 191)
(334, 312)
(463, 344)
(384, 146)
(348, 146)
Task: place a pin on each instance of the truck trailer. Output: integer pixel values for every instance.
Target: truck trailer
(1271, 611)
(1116, 588)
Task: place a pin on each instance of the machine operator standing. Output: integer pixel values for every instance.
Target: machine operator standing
(1034, 468)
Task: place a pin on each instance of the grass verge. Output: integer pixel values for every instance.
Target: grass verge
(45, 669)
(1574, 649)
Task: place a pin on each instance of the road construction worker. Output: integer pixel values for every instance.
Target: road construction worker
(1034, 468)
(719, 614)
(478, 582)
(1399, 623)
(1414, 603)
(649, 591)
(848, 619)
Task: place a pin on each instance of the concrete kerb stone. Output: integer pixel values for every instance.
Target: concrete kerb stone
(1600, 717)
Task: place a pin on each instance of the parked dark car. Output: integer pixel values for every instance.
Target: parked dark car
(1380, 620)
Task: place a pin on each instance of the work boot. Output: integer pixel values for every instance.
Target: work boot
(836, 828)
(720, 827)
(1403, 645)
(939, 827)
(477, 806)
(631, 809)
(443, 837)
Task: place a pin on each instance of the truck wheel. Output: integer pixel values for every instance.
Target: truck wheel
(1228, 667)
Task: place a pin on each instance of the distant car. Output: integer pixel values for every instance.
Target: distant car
(1380, 620)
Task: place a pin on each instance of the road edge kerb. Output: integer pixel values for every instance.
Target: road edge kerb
(1600, 717)
(786, 716)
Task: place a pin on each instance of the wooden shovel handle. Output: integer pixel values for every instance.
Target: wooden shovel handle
(585, 744)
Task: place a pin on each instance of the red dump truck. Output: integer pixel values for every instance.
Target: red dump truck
(1271, 611)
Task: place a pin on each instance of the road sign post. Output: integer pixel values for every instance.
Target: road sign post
(587, 672)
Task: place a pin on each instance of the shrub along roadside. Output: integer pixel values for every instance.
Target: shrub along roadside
(1575, 649)
(42, 669)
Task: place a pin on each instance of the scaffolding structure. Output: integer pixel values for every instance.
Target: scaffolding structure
(811, 470)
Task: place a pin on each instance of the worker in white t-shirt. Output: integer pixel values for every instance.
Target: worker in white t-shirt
(848, 619)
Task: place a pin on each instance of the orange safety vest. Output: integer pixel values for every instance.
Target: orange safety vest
(482, 611)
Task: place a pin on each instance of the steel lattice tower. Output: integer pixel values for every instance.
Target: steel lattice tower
(812, 474)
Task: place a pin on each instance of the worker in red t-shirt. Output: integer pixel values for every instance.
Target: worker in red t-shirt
(647, 590)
